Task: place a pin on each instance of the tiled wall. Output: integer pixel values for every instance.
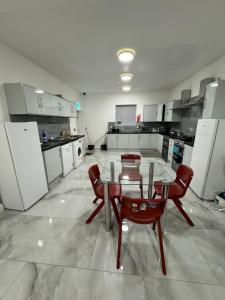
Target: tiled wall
(53, 125)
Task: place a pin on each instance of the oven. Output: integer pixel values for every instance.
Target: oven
(178, 150)
(165, 148)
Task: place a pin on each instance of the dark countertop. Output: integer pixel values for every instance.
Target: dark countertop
(55, 143)
(133, 132)
(189, 143)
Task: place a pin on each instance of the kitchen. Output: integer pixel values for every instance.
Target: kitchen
(81, 85)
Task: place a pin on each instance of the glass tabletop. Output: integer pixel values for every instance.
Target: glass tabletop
(146, 171)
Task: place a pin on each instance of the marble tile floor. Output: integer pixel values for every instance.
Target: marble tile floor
(48, 252)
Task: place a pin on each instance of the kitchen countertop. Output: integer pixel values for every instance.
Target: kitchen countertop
(189, 143)
(133, 132)
(59, 142)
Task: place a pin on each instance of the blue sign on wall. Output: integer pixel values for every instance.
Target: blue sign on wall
(78, 106)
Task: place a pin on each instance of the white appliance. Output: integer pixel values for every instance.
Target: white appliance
(67, 158)
(22, 174)
(208, 158)
(78, 152)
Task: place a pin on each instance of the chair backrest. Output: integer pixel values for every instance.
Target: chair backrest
(130, 157)
(142, 211)
(184, 176)
(94, 175)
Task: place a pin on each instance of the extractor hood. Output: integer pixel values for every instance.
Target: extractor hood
(199, 100)
(187, 101)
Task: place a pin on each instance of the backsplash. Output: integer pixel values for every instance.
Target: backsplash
(53, 125)
(189, 121)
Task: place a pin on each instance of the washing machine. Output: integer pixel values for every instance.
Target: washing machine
(78, 152)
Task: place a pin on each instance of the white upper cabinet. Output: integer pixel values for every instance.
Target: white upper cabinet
(32, 100)
(159, 116)
(70, 109)
(23, 99)
(150, 113)
(170, 114)
(214, 107)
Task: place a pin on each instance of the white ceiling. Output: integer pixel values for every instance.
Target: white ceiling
(77, 40)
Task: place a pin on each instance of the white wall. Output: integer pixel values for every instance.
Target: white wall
(99, 109)
(16, 68)
(216, 69)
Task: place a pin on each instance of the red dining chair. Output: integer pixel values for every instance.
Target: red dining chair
(178, 189)
(142, 211)
(131, 170)
(98, 187)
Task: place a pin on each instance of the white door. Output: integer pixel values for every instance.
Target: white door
(133, 141)
(28, 162)
(112, 141)
(123, 141)
(32, 101)
(204, 141)
(209, 102)
(144, 141)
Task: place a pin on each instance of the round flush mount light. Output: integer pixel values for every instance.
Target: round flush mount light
(126, 55)
(39, 91)
(126, 88)
(126, 77)
(215, 83)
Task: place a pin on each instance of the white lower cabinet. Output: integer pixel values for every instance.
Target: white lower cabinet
(133, 141)
(53, 163)
(123, 141)
(187, 155)
(170, 150)
(159, 142)
(153, 143)
(112, 141)
(144, 141)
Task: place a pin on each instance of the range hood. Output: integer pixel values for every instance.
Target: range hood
(187, 101)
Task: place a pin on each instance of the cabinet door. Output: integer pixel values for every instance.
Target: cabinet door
(159, 113)
(133, 141)
(150, 113)
(153, 142)
(144, 141)
(160, 143)
(112, 141)
(71, 109)
(123, 141)
(45, 103)
(32, 101)
(169, 112)
(53, 163)
(209, 102)
(187, 155)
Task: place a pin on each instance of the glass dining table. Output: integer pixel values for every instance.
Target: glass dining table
(137, 179)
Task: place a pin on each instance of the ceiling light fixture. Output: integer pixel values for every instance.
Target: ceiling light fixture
(39, 91)
(126, 88)
(215, 83)
(126, 77)
(126, 55)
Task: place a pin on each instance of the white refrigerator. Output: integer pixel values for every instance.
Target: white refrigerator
(22, 174)
(208, 158)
